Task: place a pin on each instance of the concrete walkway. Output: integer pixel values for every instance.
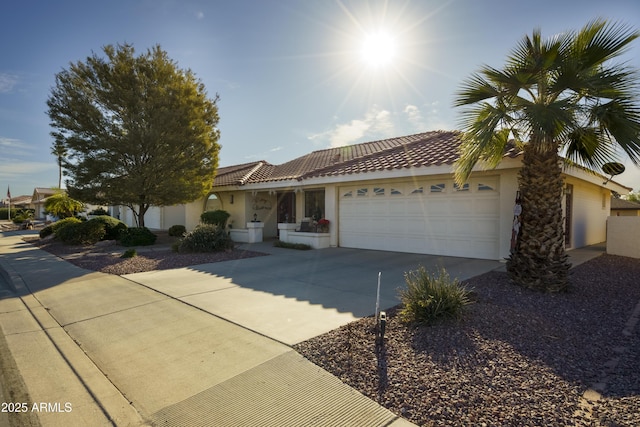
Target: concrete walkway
(204, 345)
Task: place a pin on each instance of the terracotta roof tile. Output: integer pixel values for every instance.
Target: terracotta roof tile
(420, 150)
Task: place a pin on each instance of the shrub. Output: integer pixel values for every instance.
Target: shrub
(287, 245)
(46, 231)
(206, 238)
(112, 226)
(217, 217)
(99, 211)
(129, 253)
(58, 225)
(137, 236)
(177, 230)
(429, 297)
(82, 233)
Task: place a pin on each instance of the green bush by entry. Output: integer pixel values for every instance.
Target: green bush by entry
(429, 297)
(137, 236)
(177, 230)
(82, 233)
(217, 217)
(205, 238)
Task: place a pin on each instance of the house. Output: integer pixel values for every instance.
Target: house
(621, 207)
(396, 194)
(399, 195)
(18, 202)
(38, 199)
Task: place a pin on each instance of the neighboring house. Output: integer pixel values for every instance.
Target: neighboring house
(17, 202)
(38, 199)
(621, 207)
(396, 194)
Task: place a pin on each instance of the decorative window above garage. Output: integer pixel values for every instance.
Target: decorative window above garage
(485, 187)
(418, 190)
(348, 194)
(395, 192)
(463, 187)
(362, 192)
(438, 188)
(378, 191)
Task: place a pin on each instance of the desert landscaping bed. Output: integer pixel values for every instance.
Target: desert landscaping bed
(105, 257)
(517, 358)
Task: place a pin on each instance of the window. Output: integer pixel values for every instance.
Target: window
(418, 190)
(314, 204)
(395, 192)
(362, 192)
(438, 188)
(378, 191)
(348, 194)
(484, 187)
(463, 187)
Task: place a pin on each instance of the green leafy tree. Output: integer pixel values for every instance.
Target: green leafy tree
(63, 206)
(138, 130)
(563, 95)
(634, 197)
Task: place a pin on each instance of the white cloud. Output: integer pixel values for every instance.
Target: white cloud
(376, 123)
(414, 116)
(13, 168)
(7, 82)
(13, 147)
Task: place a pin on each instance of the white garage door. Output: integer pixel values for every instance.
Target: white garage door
(430, 217)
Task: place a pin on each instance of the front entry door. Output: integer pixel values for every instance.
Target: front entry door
(287, 207)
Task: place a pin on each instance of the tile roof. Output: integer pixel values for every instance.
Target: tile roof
(420, 150)
(623, 204)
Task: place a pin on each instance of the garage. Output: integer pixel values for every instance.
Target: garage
(431, 217)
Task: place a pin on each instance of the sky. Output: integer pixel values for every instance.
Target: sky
(291, 74)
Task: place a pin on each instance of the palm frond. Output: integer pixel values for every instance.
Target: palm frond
(475, 89)
(600, 41)
(588, 146)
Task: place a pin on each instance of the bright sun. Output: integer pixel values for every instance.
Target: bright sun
(378, 49)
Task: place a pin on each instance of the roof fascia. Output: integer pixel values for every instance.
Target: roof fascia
(595, 178)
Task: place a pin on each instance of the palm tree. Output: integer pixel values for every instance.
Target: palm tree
(59, 150)
(557, 96)
(62, 206)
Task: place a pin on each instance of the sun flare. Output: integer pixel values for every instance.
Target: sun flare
(378, 49)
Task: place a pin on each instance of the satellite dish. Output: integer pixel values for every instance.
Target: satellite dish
(613, 169)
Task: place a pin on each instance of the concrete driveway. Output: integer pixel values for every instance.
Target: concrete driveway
(292, 295)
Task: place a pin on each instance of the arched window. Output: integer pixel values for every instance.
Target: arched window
(212, 203)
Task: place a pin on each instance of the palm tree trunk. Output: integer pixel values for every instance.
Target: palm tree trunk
(540, 260)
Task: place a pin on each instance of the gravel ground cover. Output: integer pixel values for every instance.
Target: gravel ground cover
(106, 256)
(517, 358)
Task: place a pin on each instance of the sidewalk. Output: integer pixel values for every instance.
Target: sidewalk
(97, 349)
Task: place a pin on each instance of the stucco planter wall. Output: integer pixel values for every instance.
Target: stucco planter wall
(251, 234)
(315, 240)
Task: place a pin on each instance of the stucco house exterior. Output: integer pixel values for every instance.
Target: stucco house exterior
(396, 194)
(38, 199)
